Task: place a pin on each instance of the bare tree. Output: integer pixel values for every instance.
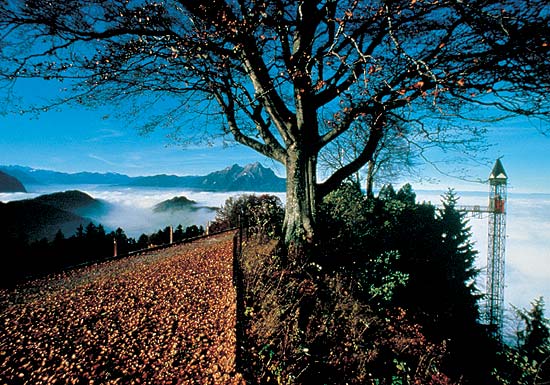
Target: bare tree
(406, 146)
(288, 78)
(396, 156)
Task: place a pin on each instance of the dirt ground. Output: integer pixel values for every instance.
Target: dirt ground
(165, 317)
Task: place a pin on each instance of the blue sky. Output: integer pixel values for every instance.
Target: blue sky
(79, 139)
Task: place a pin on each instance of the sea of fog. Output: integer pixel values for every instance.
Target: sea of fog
(132, 208)
(527, 227)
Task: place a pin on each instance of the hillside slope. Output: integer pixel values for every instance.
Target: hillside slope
(73, 201)
(35, 220)
(179, 203)
(43, 216)
(164, 317)
(10, 184)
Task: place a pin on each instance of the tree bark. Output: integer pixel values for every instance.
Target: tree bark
(301, 205)
(370, 178)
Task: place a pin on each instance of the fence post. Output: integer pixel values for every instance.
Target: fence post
(240, 232)
(114, 248)
(171, 235)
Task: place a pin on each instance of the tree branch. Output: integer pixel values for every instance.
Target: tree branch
(376, 134)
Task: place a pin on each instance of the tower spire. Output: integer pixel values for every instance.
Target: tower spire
(498, 173)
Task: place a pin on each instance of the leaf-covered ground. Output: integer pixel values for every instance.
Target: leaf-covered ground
(166, 317)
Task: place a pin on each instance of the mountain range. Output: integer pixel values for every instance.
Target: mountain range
(252, 177)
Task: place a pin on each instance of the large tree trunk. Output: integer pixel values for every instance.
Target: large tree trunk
(301, 205)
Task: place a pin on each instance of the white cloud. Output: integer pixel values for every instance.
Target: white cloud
(102, 159)
(105, 134)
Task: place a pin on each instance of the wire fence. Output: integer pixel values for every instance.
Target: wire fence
(241, 235)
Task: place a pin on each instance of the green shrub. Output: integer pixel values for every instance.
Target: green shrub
(261, 214)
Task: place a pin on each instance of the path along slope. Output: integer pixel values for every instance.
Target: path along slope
(166, 317)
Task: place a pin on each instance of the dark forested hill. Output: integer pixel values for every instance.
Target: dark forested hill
(180, 203)
(45, 215)
(35, 220)
(10, 184)
(73, 201)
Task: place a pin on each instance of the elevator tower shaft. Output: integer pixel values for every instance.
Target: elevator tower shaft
(494, 312)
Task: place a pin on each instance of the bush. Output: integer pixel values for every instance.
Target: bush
(261, 214)
(305, 327)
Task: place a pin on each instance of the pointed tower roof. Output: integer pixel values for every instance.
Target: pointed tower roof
(498, 172)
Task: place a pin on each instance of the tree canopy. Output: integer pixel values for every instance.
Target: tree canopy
(289, 78)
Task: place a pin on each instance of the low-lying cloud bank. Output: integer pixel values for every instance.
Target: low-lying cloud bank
(132, 208)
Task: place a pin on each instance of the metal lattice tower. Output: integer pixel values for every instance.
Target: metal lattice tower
(494, 311)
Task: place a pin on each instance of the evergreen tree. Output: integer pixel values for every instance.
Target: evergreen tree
(535, 339)
(161, 237)
(529, 362)
(457, 296)
(179, 234)
(438, 257)
(59, 243)
(387, 192)
(59, 237)
(192, 231)
(122, 241)
(143, 242)
(458, 258)
(91, 230)
(79, 232)
(406, 194)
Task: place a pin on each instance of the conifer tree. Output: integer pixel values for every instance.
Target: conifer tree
(458, 258)
(406, 194)
(458, 295)
(438, 256)
(528, 363)
(535, 339)
(179, 234)
(386, 193)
